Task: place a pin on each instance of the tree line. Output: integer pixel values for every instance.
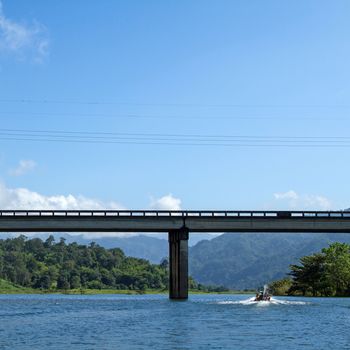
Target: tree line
(326, 273)
(51, 265)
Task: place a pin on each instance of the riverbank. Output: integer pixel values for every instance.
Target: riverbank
(15, 290)
(9, 288)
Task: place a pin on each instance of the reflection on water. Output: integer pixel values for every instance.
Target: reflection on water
(154, 322)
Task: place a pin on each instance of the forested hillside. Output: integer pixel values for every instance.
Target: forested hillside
(150, 247)
(237, 261)
(242, 261)
(50, 265)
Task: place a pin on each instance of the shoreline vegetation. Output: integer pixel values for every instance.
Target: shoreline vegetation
(37, 266)
(34, 266)
(9, 288)
(323, 274)
(6, 288)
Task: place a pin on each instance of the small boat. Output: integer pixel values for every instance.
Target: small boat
(263, 295)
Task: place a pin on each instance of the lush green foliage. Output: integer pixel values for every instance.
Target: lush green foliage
(280, 287)
(323, 274)
(48, 265)
(8, 288)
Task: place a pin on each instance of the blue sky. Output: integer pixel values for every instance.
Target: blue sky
(200, 70)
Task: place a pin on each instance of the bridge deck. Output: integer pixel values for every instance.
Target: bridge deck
(165, 221)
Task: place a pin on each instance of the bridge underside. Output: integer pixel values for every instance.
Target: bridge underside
(161, 224)
(178, 224)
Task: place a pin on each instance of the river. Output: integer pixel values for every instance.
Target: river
(153, 322)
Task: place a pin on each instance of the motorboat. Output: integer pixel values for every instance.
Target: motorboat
(263, 295)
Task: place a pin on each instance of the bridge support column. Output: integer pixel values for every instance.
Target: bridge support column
(178, 264)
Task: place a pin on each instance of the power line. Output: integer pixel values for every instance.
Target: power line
(174, 139)
(231, 105)
(181, 144)
(173, 135)
(168, 117)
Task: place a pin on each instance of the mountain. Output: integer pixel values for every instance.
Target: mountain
(152, 247)
(140, 246)
(145, 247)
(194, 238)
(243, 261)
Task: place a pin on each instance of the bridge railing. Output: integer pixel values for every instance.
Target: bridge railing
(173, 213)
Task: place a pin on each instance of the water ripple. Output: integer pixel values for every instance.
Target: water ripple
(154, 322)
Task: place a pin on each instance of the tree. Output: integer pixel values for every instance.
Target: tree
(50, 240)
(309, 277)
(337, 268)
(63, 280)
(43, 282)
(164, 264)
(281, 287)
(325, 274)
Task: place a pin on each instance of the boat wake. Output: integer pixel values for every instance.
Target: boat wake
(273, 301)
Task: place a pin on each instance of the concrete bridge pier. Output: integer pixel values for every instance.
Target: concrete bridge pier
(178, 264)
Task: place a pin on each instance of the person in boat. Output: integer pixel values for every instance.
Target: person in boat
(259, 296)
(262, 297)
(266, 297)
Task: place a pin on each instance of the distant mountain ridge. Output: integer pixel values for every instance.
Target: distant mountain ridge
(150, 247)
(243, 261)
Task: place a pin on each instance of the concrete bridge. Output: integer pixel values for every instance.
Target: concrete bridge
(178, 224)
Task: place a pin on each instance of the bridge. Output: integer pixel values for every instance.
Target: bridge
(178, 225)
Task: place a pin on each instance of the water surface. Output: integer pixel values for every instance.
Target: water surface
(153, 322)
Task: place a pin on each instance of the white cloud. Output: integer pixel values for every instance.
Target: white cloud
(23, 40)
(286, 195)
(294, 201)
(22, 198)
(168, 202)
(25, 199)
(23, 167)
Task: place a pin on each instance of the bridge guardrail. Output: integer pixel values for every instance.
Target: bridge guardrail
(174, 213)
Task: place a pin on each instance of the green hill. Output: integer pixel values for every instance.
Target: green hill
(47, 265)
(241, 261)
